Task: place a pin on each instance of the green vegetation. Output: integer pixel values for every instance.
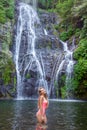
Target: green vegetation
(7, 68)
(80, 69)
(2, 15)
(64, 8)
(6, 10)
(47, 4)
(63, 91)
(74, 14)
(28, 76)
(81, 51)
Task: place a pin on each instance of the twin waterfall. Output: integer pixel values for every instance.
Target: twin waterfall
(26, 56)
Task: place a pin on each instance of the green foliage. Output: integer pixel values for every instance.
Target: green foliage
(10, 13)
(79, 8)
(15, 81)
(5, 46)
(7, 41)
(6, 75)
(63, 91)
(73, 13)
(75, 84)
(64, 36)
(63, 88)
(80, 69)
(6, 10)
(81, 51)
(28, 76)
(2, 15)
(56, 26)
(7, 72)
(48, 4)
(64, 8)
(7, 68)
(79, 12)
(77, 32)
(80, 77)
(84, 29)
(5, 3)
(70, 31)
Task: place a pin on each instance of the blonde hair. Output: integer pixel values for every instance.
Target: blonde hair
(40, 89)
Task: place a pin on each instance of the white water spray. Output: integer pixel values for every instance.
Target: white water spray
(45, 32)
(68, 59)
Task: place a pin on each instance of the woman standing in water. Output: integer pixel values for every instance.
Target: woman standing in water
(42, 106)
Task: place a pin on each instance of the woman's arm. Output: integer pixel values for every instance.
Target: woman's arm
(40, 103)
(47, 103)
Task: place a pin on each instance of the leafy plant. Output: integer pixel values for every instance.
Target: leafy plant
(81, 51)
(6, 10)
(63, 91)
(28, 76)
(2, 15)
(64, 36)
(64, 7)
(10, 13)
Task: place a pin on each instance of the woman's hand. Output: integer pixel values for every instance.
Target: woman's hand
(42, 118)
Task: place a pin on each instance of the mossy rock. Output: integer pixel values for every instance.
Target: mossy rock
(2, 15)
(7, 67)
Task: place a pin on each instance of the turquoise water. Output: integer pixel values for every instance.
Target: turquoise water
(61, 115)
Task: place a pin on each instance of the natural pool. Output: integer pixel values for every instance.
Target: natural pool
(61, 114)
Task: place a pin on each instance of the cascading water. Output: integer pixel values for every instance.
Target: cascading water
(27, 20)
(45, 32)
(68, 61)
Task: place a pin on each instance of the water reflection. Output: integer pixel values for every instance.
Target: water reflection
(64, 116)
(41, 126)
(24, 115)
(21, 115)
(17, 115)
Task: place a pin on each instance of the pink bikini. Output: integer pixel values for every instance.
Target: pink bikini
(44, 106)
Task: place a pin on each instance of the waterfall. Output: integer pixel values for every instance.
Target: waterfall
(45, 32)
(69, 62)
(27, 20)
(32, 2)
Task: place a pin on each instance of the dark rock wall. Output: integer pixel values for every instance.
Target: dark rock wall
(7, 67)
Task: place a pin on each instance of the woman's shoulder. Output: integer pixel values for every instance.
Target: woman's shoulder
(41, 97)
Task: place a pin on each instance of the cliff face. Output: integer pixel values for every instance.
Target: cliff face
(47, 45)
(7, 68)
